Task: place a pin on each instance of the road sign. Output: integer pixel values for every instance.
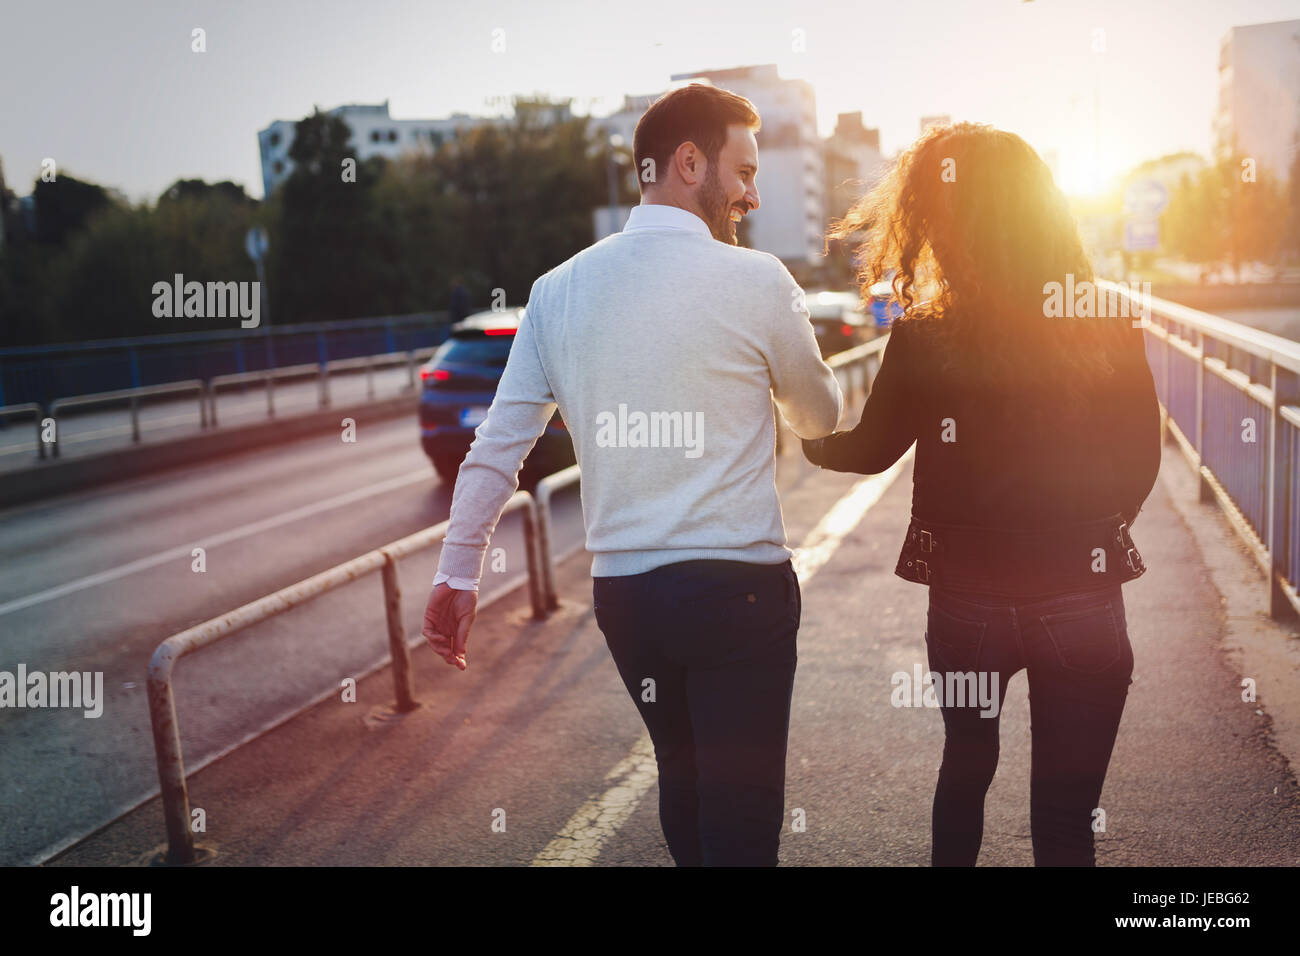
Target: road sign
(1145, 198)
(1141, 235)
(256, 243)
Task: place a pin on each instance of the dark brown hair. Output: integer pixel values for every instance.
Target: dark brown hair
(699, 114)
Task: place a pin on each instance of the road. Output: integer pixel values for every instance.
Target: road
(94, 581)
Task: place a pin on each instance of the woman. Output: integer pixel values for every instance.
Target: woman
(1037, 442)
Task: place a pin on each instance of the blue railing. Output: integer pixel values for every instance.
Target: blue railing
(46, 372)
(1230, 397)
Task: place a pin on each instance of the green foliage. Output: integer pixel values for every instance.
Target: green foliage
(64, 205)
(1219, 216)
(498, 205)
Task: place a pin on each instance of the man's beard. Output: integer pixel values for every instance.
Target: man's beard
(716, 208)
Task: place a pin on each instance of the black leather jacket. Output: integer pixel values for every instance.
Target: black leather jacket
(991, 453)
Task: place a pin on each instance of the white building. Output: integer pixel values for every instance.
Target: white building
(791, 220)
(374, 133)
(623, 123)
(1259, 94)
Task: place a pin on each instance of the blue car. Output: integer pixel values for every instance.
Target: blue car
(458, 385)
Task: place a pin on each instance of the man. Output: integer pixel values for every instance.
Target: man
(663, 346)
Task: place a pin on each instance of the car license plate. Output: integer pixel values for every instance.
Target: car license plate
(473, 416)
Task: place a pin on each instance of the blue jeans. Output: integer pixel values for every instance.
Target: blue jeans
(1076, 652)
(706, 649)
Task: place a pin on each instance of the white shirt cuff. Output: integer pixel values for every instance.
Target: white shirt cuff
(459, 584)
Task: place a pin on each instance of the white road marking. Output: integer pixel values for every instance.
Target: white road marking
(225, 537)
(580, 841)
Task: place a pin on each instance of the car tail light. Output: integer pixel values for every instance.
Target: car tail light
(498, 331)
(437, 374)
(846, 330)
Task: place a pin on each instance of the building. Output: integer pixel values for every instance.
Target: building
(853, 161)
(623, 122)
(791, 220)
(1259, 95)
(940, 119)
(374, 133)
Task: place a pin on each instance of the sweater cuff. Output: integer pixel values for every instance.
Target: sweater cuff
(461, 561)
(458, 584)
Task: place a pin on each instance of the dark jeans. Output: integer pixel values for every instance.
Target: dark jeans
(717, 639)
(1076, 651)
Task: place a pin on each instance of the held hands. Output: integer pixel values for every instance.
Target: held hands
(812, 450)
(447, 621)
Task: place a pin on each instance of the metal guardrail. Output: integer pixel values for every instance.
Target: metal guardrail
(859, 366)
(37, 413)
(132, 396)
(208, 389)
(545, 488)
(1230, 397)
(162, 702)
(323, 372)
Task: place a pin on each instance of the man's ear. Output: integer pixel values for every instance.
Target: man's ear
(690, 163)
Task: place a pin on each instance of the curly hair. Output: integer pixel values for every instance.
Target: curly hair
(972, 227)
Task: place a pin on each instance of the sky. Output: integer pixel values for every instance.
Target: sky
(114, 93)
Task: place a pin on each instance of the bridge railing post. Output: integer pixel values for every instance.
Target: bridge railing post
(403, 687)
(1285, 386)
(167, 747)
(546, 559)
(1205, 492)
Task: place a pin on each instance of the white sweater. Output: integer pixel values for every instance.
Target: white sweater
(663, 349)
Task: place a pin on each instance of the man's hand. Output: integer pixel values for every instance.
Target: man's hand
(447, 621)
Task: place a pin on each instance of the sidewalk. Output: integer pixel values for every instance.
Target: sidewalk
(532, 729)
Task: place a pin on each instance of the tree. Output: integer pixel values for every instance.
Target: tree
(64, 205)
(324, 261)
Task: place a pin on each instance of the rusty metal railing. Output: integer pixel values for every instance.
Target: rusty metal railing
(162, 702)
(545, 488)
